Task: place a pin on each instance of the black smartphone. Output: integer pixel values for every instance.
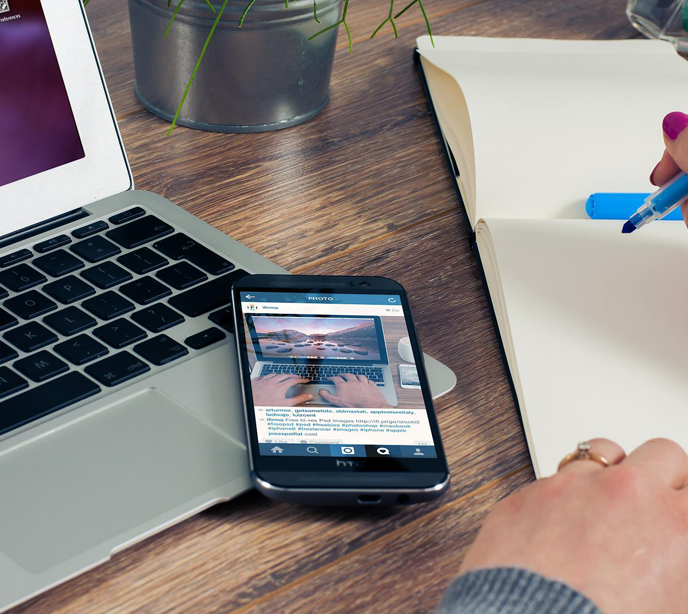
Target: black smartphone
(328, 421)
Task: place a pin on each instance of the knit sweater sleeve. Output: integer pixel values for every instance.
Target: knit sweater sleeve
(510, 590)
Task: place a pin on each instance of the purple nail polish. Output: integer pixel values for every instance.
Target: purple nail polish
(674, 124)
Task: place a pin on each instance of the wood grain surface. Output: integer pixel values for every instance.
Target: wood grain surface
(361, 189)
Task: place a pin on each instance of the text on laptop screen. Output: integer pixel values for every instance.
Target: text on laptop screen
(325, 376)
(37, 127)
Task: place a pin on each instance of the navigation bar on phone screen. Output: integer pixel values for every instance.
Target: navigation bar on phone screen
(344, 451)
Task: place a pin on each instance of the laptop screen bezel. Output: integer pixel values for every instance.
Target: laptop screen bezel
(383, 360)
(104, 170)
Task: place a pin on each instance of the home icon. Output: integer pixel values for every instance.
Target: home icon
(277, 450)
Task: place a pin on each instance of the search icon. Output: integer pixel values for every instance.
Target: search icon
(312, 450)
(383, 451)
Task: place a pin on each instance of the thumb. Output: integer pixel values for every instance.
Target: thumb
(329, 397)
(676, 139)
(301, 398)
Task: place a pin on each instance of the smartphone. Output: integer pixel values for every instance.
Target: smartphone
(328, 421)
(408, 377)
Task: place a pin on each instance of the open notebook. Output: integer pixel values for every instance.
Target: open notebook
(594, 324)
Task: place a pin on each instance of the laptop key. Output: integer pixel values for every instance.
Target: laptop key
(138, 232)
(224, 318)
(41, 366)
(69, 321)
(21, 277)
(30, 337)
(46, 399)
(69, 289)
(145, 290)
(117, 369)
(91, 229)
(10, 382)
(106, 275)
(58, 263)
(81, 349)
(7, 353)
(30, 305)
(142, 261)
(108, 305)
(127, 216)
(95, 249)
(205, 338)
(14, 258)
(181, 276)
(119, 333)
(208, 296)
(3, 293)
(183, 247)
(157, 318)
(6, 320)
(161, 350)
(54, 242)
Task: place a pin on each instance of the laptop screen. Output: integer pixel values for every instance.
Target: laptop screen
(38, 131)
(336, 339)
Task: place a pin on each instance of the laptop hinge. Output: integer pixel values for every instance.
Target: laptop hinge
(45, 226)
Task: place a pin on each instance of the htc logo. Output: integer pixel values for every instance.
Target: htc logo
(350, 464)
(313, 298)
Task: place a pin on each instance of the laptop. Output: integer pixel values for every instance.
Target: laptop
(318, 348)
(120, 406)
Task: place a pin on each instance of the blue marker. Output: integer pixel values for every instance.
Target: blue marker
(658, 205)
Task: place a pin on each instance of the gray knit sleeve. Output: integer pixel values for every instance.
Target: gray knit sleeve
(510, 590)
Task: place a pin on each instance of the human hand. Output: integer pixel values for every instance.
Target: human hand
(619, 535)
(354, 391)
(272, 390)
(675, 158)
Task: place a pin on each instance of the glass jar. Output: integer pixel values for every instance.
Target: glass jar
(663, 19)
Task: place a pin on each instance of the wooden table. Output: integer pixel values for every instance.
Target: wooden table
(362, 189)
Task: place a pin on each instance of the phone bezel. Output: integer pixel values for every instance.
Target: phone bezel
(306, 472)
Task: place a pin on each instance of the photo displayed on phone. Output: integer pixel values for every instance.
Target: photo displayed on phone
(325, 376)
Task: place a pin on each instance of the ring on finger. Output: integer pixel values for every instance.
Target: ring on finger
(583, 452)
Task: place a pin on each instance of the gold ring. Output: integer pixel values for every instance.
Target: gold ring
(583, 452)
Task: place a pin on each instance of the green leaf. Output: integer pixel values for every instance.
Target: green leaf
(195, 70)
(174, 15)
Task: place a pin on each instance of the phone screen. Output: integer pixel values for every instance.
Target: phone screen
(325, 376)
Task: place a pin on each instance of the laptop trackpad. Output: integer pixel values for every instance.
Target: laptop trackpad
(109, 478)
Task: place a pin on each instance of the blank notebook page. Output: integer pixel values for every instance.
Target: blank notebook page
(599, 322)
(554, 121)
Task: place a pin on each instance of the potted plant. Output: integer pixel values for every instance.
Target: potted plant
(239, 65)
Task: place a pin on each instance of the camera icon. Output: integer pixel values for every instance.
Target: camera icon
(348, 450)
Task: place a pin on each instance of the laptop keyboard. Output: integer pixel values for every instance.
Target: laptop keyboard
(84, 312)
(319, 374)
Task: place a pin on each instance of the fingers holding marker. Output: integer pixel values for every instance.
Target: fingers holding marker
(666, 169)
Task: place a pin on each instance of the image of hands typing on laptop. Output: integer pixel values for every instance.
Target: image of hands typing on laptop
(273, 274)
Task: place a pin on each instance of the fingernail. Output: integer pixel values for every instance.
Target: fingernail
(652, 174)
(674, 124)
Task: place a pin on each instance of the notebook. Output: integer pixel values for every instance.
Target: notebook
(593, 323)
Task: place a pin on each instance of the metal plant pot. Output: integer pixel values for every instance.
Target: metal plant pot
(263, 76)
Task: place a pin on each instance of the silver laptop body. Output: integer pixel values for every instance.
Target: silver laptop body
(147, 439)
